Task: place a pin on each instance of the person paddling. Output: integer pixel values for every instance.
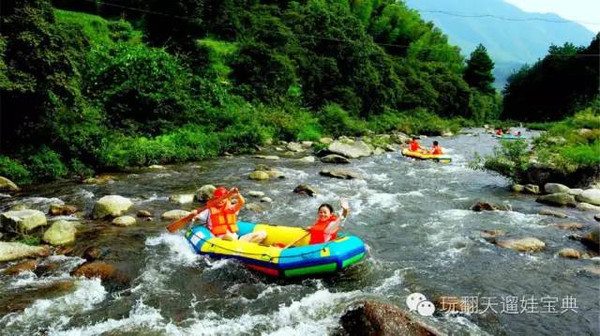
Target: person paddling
(414, 145)
(328, 223)
(221, 218)
(437, 150)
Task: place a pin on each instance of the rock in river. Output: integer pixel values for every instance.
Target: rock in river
(111, 206)
(23, 220)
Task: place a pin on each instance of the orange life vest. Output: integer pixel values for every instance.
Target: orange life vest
(221, 220)
(317, 231)
(414, 146)
(437, 150)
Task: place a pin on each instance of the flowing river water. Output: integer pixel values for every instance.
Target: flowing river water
(413, 215)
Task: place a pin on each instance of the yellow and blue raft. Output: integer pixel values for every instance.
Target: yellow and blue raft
(270, 258)
(442, 158)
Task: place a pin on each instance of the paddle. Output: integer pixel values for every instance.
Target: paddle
(182, 222)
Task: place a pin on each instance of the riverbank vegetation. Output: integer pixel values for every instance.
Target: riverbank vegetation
(85, 89)
(558, 95)
(567, 151)
(92, 86)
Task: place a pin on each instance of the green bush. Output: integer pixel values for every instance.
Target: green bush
(14, 170)
(585, 155)
(46, 165)
(336, 121)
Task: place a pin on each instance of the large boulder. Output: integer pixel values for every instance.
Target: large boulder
(350, 150)
(591, 239)
(259, 175)
(558, 199)
(553, 188)
(326, 141)
(295, 147)
(205, 192)
(591, 196)
(124, 221)
(111, 206)
(558, 214)
(14, 251)
(518, 187)
(522, 244)
(587, 207)
(334, 158)
(23, 220)
(182, 198)
(305, 189)
(381, 319)
(61, 233)
(7, 185)
(532, 189)
(340, 173)
(174, 214)
(575, 191)
(400, 138)
(570, 253)
(108, 273)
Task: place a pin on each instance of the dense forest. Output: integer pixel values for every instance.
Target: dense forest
(94, 85)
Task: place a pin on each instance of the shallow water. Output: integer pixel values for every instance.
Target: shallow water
(413, 215)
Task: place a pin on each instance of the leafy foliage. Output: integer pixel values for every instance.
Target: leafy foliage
(478, 72)
(566, 80)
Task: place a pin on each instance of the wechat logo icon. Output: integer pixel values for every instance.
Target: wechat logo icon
(418, 302)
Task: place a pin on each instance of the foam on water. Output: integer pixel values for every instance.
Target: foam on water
(180, 250)
(314, 314)
(152, 198)
(390, 283)
(384, 201)
(44, 312)
(141, 316)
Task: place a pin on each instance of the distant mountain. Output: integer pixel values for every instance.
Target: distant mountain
(509, 43)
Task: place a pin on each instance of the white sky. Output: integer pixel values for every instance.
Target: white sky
(585, 12)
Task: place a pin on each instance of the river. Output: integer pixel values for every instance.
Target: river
(413, 215)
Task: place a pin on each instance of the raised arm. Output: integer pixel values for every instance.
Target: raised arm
(240, 200)
(345, 207)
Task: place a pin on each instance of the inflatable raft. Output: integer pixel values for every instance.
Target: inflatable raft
(443, 158)
(509, 137)
(298, 260)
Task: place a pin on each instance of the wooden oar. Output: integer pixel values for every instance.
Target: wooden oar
(297, 240)
(182, 222)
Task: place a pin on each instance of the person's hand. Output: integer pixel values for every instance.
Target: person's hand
(344, 203)
(234, 190)
(194, 212)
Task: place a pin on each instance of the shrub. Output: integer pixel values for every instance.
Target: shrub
(14, 170)
(46, 165)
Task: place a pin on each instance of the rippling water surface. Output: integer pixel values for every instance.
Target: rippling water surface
(413, 215)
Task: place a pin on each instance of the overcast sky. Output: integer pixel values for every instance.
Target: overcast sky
(585, 12)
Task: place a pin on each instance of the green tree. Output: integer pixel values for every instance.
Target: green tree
(478, 73)
(564, 81)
